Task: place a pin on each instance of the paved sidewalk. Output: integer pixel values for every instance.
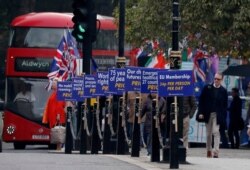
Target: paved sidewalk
(43, 159)
(230, 159)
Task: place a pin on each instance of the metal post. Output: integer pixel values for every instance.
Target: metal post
(106, 133)
(121, 27)
(174, 156)
(121, 145)
(135, 149)
(175, 64)
(120, 63)
(87, 54)
(69, 137)
(83, 136)
(95, 140)
(155, 155)
(108, 148)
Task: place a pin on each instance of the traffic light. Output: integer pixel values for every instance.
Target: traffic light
(84, 20)
(80, 19)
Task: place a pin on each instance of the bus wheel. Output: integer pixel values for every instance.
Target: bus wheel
(19, 145)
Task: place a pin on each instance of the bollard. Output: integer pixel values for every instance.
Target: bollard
(83, 136)
(95, 141)
(181, 150)
(155, 153)
(108, 145)
(135, 150)
(174, 156)
(120, 146)
(69, 137)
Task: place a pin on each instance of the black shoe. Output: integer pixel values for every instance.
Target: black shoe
(216, 156)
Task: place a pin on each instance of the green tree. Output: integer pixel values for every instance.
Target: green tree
(146, 19)
(223, 24)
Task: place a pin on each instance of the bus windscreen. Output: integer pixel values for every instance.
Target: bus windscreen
(27, 97)
(30, 37)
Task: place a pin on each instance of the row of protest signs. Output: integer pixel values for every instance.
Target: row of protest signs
(118, 80)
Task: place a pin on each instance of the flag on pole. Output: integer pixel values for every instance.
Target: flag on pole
(94, 66)
(199, 71)
(64, 63)
(157, 61)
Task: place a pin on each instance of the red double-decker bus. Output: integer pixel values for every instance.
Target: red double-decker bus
(33, 42)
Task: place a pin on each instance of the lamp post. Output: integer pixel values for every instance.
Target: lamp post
(120, 63)
(175, 63)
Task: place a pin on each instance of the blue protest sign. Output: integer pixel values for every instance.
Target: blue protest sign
(89, 86)
(77, 89)
(133, 79)
(149, 80)
(102, 85)
(64, 90)
(175, 83)
(117, 80)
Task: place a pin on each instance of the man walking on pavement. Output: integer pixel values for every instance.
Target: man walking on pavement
(213, 109)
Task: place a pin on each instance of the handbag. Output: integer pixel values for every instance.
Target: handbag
(57, 134)
(198, 119)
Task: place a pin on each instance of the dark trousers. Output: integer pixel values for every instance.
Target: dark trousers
(233, 134)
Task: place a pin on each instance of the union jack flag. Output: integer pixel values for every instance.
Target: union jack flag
(199, 67)
(199, 70)
(64, 63)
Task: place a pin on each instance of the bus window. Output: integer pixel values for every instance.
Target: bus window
(36, 37)
(30, 107)
(17, 37)
(106, 40)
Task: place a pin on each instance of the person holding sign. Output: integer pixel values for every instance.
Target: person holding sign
(54, 112)
(213, 109)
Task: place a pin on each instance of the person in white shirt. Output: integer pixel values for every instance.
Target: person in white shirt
(25, 95)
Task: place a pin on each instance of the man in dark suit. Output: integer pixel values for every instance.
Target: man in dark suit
(213, 109)
(235, 112)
